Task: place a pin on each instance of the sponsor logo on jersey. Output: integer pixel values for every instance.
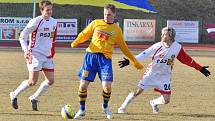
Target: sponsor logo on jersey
(46, 29)
(161, 55)
(172, 56)
(167, 61)
(50, 35)
(45, 34)
(104, 35)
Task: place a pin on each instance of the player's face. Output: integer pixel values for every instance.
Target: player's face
(109, 16)
(165, 37)
(47, 11)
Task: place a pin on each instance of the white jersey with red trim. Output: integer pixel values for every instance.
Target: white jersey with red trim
(162, 58)
(41, 34)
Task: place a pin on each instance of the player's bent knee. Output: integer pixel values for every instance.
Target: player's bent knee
(51, 82)
(83, 87)
(32, 83)
(136, 94)
(166, 100)
(107, 90)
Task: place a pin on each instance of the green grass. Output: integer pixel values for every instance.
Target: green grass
(98, 3)
(192, 98)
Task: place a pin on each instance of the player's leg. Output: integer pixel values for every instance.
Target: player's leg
(34, 66)
(163, 99)
(49, 80)
(144, 84)
(129, 99)
(47, 67)
(87, 74)
(82, 93)
(33, 77)
(105, 73)
(165, 90)
(106, 94)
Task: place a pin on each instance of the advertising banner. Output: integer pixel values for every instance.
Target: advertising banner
(67, 30)
(11, 27)
(0, 34)
(139, 30)
(9, 34)
(89, 20)
(186, 31)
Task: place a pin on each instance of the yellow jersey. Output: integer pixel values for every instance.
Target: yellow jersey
(104, 37)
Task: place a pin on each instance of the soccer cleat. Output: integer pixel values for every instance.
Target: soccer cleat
(155, 108)
(13, 100)
(121, 110)
(108, 112)
(79, 114)
(34, 104)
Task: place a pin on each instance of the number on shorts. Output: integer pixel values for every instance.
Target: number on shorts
(167, 87)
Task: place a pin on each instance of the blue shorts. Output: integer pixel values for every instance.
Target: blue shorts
(96, 63)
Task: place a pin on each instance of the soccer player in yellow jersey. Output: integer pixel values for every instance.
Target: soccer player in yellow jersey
(105, 34)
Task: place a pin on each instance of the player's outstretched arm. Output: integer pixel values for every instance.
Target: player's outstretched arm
(124, 62)
(205, 71)
(184, 58)
(84, 35)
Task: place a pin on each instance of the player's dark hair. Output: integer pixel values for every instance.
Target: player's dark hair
(111, 7)
(44, 3)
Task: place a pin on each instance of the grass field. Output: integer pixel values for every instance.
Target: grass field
(99, 3)
(192, 98)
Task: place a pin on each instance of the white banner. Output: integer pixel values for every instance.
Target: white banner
(11, 27)
(139, 30)
(186, 31)
(66, 30)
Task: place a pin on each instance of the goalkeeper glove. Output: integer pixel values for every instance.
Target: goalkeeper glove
(124, 62)
(205, 71)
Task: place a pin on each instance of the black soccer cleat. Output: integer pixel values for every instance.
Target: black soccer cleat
(13, 100)
(34, 104)
(14, 103)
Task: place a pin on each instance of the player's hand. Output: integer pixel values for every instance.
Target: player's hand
(124, 62)
(205, 71)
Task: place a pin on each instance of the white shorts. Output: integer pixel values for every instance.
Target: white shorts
(161, 83)
(39, 62)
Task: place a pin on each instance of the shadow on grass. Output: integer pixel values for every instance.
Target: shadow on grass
(28, 114)
(135, 116)
(131, 116)
(190, 115)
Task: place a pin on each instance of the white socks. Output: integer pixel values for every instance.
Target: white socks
(128, 100)
(42, 89)
(158, 101)
(22, 87)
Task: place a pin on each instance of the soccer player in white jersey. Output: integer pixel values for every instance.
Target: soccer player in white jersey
(158, 73)
(39, 53)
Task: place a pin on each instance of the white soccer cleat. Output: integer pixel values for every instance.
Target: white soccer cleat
(155, 108)
(108, 112)
(121, 110)
(79, 114)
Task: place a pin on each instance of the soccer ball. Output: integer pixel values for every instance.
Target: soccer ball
(67, 112)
